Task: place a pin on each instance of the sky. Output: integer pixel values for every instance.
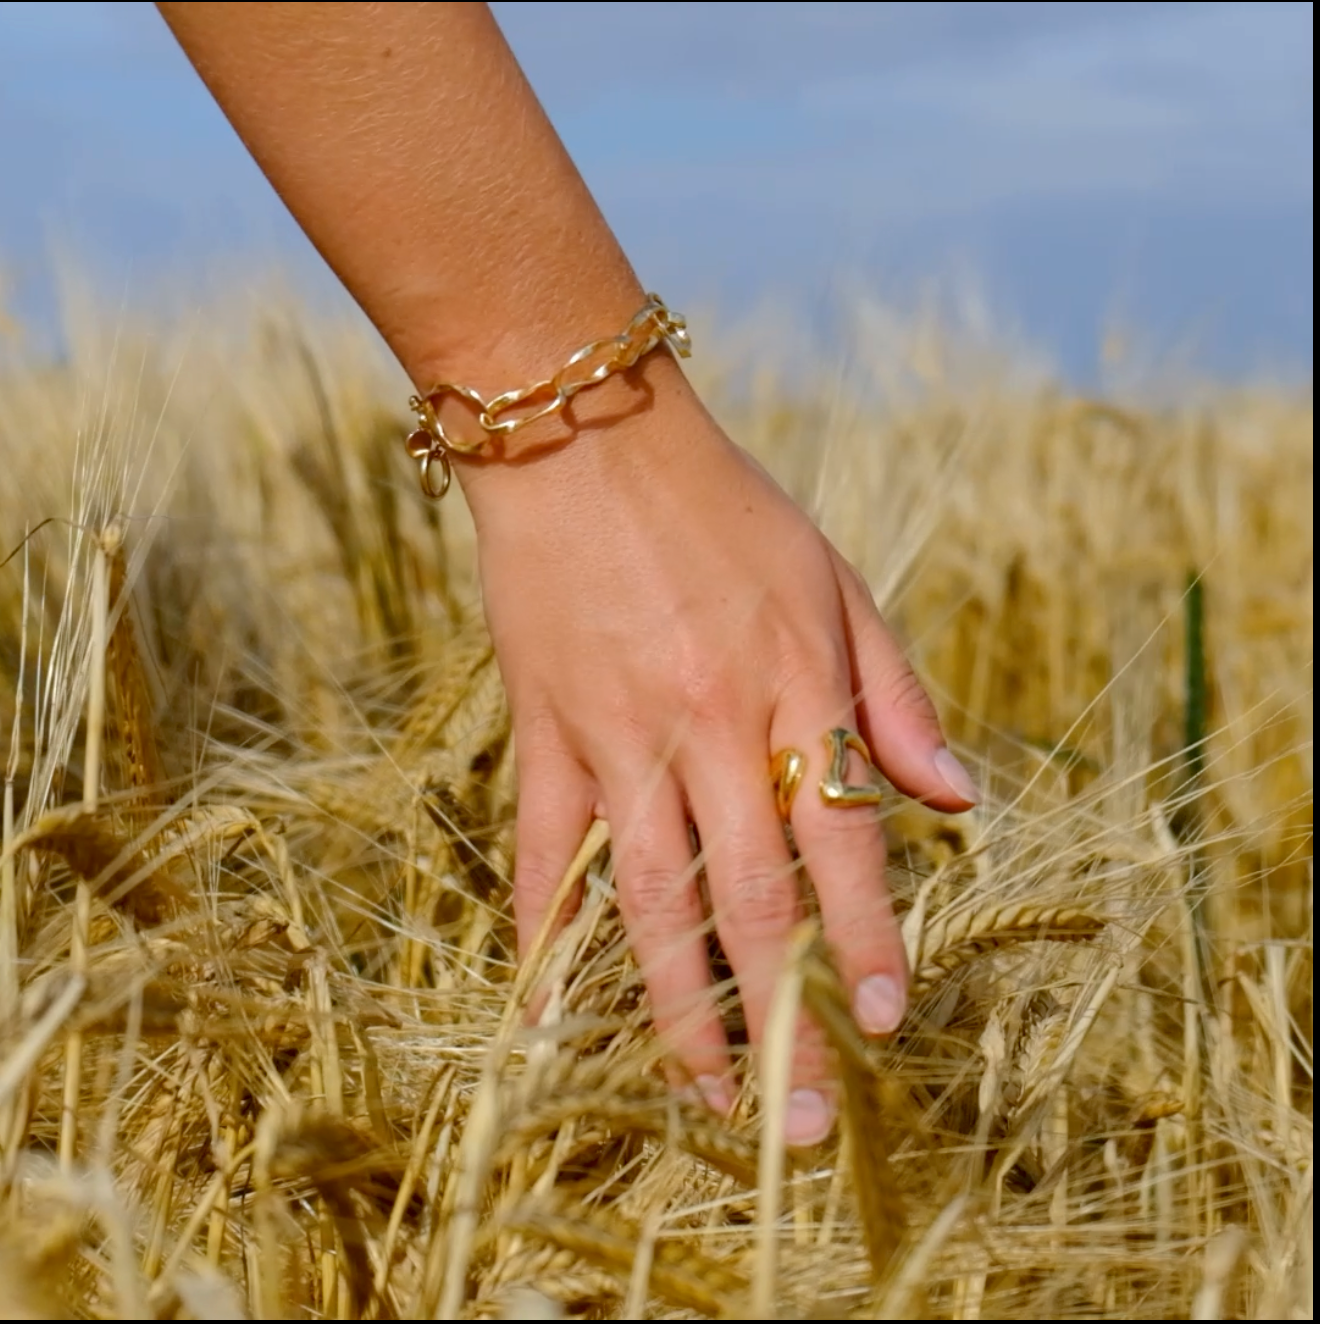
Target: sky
(1077, 165)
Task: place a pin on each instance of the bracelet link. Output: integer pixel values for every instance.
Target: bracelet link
(432, 447)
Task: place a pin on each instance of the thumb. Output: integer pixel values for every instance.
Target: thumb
(895, 714)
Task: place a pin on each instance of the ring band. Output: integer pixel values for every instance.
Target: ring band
(789, 766)
(786, 772)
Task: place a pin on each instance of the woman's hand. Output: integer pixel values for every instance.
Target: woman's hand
(666, 619)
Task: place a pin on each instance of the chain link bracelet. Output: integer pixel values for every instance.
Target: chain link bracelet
(502, 415)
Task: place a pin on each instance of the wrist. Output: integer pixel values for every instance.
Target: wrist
(612, 438)
(468, 429)
(524, 330)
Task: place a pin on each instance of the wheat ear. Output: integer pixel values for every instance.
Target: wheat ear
(953, 941)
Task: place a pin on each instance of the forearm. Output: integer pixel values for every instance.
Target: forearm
(411, 149)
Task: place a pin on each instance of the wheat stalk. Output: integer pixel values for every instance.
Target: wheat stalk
(1055, 1134)
(133, 745)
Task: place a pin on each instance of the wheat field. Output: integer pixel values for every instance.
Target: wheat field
(263, 1051)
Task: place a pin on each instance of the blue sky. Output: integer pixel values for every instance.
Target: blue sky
(1147, 161)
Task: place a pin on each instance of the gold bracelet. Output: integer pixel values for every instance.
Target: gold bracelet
(431, 446)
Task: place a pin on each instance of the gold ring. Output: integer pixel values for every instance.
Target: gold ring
(786, 771)
(789, 766)
(834, 791)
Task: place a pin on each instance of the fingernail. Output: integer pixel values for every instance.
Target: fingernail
(810, 1116)
(879, 1004)
(956, 777)
(715, 1094)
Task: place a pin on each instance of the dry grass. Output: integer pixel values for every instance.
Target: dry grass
(261, 1043)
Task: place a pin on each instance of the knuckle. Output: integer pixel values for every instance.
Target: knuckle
(542, 850)
(658, 893)
(842, 847)
(534, 878)
(868, 937)
(851, 861)
(907, 694)
(815, 663)
(763, 904)
(854, 837)
(708, 695)
(539, 737)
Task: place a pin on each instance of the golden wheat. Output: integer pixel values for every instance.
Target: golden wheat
(951, 941)
(263, 1047)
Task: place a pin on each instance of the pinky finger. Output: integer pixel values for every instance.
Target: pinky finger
(895, 714)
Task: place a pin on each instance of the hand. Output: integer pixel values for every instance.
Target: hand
(666, 619)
